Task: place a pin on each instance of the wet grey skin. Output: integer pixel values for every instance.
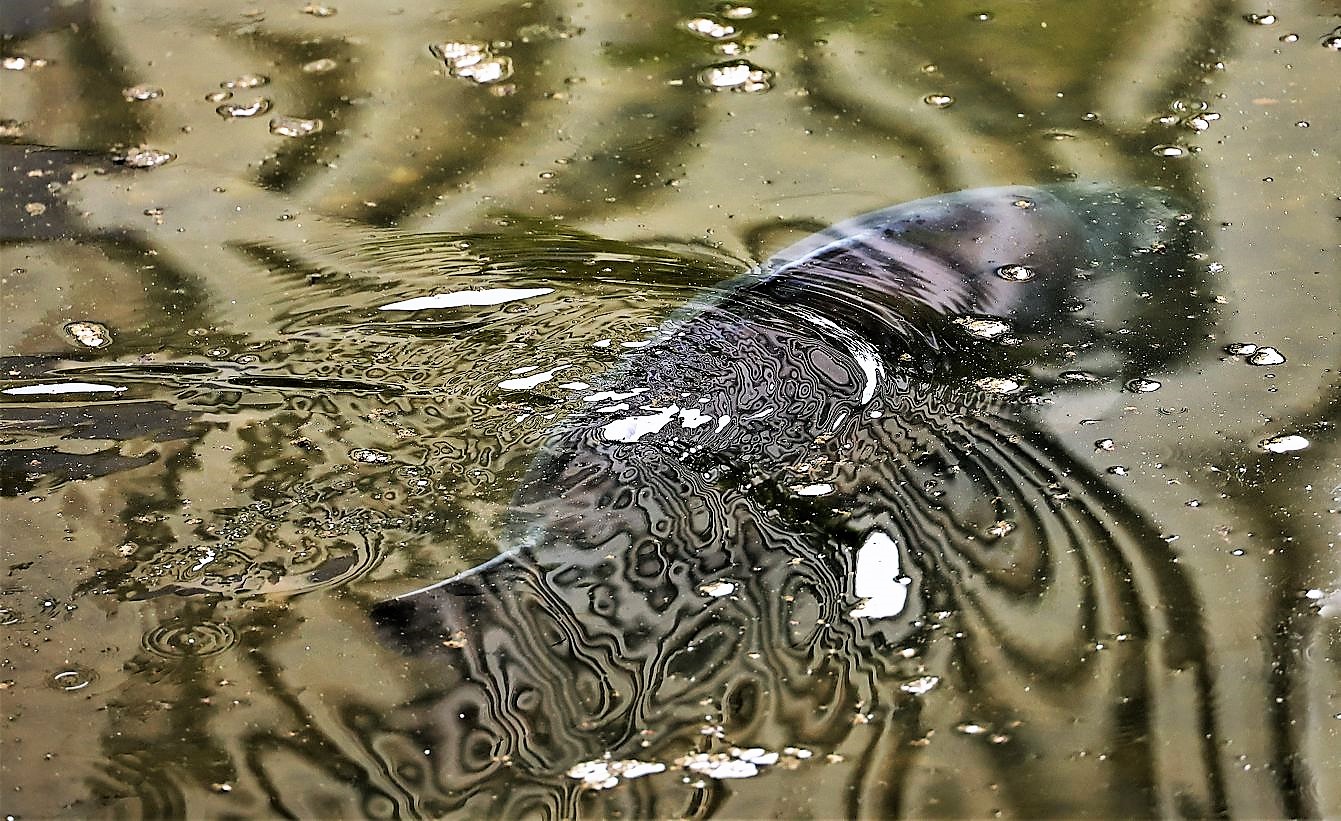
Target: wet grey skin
(701, 548)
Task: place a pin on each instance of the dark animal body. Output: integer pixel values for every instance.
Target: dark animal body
(815, 529)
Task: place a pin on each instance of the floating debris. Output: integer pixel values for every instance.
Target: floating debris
(320, 66)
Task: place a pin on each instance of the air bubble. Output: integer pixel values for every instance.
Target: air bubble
(710, 29)
(738, 75)
(141, 93)
(231, 111)
(1332, 41)
(320, 66)
(982, 327)
(920, 685)
(1171, 151)
(1264, 19)
(1015, 273)
(294, 126)
(1284, 443)
(473, 60)
(143, 157)
(1266, 355)
(1143, 385)
(245, 81)
(21, 63)
(370, 456)
(939, 100)
(999, 384)
(1105, 445)
(89, 334)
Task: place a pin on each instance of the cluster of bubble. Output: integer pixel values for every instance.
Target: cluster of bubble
(473, 60)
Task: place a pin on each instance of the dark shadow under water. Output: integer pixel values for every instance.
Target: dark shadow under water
(824, 537)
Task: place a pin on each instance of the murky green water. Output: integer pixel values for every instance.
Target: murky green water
(226, 441)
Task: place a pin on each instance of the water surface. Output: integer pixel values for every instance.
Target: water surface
(225, 440)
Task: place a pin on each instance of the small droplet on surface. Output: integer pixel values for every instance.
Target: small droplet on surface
(294, 126)
(981, 16)
(1015, 273)
(1289, 38)
(88, 334)
(939, 100)
(231, 111)
(1284, 443)
(1171, 151)
(1143, 384)
(141, 93)
(737, 75)
(1266, 355)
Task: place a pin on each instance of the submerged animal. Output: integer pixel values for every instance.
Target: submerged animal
(826, 537)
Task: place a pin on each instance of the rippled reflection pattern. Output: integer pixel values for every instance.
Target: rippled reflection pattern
(692, 577)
